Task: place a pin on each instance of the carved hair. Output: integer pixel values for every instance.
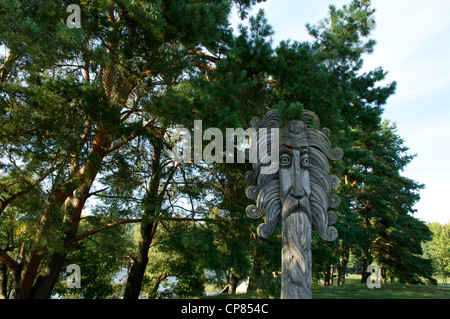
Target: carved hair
(267, 189)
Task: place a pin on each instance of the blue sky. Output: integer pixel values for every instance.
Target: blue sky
(413, 45)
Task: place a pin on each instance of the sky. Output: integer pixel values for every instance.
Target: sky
(413, 45)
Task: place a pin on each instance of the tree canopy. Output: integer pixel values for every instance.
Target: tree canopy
(87, 116)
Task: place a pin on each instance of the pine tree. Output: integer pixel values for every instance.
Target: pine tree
(71, 97)
(87, 113)
(383, 200)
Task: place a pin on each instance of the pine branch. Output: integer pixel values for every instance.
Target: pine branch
(96, 230)
(7, 260)
(5, 202)
(128, 139)
(204, 55)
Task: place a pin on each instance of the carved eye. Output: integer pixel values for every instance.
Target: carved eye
(305, 160)
(285, 160)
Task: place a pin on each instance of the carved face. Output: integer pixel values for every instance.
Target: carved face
(302, 183)
(295, 187)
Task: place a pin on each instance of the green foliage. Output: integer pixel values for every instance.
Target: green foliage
(438, 249)
(178, 261)
(97, 271)
(290, 112)
(86, 114)
(101, 259)
(385, 205)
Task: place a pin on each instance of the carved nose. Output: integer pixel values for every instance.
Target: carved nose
(297, 190)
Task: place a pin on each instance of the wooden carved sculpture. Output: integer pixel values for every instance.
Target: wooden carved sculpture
(299, 193)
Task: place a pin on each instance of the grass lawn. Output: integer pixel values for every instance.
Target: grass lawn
(395, 291)
(353, 289)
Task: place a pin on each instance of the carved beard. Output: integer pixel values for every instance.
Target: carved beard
(273, 192)
(295, 192)
(292, 205)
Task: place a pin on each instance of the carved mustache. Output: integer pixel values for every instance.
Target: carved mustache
(292, 204)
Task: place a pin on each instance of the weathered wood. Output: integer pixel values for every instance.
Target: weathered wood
(298, 192)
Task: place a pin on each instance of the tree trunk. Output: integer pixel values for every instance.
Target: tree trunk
(332, 268)
(136, 275)
(296, 257)
(73, 206)
(326, 276)
(255, 273)
(153, 292)
(366, 262)
(148, 227)
(342, 269)
(383, 275)
(3, 281)
(364, 274)
(45, 283)
(73, 198)
(27, 275)
(233, 284)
